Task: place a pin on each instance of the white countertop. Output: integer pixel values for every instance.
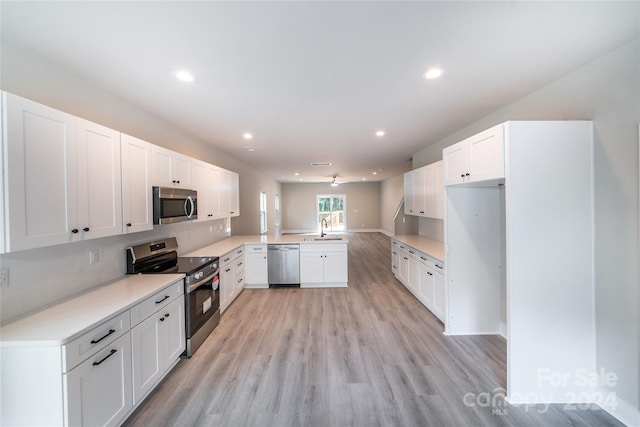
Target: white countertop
(66, 321)
(227, 245)
(427, 246)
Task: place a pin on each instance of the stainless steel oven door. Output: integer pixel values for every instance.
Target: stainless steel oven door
(204, 301)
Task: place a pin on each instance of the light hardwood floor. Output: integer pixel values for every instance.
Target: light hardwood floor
(366, 355)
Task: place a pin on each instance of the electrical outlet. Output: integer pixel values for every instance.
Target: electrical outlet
(94, 256)
(4, 277)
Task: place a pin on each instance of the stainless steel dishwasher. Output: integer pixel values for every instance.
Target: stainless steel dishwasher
(284, 264)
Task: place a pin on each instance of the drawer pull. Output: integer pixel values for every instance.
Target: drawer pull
(165, 297)
(439, 266)
(423, 258)
(111, 331)
(113, 351)
(411, 252)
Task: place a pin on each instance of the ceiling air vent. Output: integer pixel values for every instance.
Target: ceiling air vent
(321, 164)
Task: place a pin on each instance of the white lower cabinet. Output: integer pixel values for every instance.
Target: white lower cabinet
(422, 275)
(323, 264)
(232, 273)
(431, 290)
(99, 389)
(98, 377)
(256, 269)
(157, 343)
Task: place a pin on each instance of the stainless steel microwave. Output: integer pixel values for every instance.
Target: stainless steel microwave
(172, 205)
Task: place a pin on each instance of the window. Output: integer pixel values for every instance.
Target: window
(263, 212)
(277, 218)
(332, 209)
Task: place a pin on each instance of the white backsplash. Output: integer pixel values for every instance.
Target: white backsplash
(431, 228)
(44, 276)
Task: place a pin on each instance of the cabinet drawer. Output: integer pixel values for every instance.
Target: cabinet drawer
(154, 303)
(437, 266)
(252, 249)
(229, 257)
(324, 247)
(93, 341)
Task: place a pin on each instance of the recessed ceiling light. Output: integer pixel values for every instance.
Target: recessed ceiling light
(375, 173)
(249, 148)
(247, 135)
(185, 76)
(296, 174)
(380, 133)
(433, 73)
(364, 179)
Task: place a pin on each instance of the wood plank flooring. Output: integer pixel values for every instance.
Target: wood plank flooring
(366, 355)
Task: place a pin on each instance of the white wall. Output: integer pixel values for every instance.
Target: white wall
(44, 276)
(606, 91)
(391, 195)
(300, 211)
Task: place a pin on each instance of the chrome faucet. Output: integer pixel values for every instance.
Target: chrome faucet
(323, 222)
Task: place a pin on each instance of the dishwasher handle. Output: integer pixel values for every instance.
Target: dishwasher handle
(283, 247)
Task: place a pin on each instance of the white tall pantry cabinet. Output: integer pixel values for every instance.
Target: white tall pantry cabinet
(525, 238)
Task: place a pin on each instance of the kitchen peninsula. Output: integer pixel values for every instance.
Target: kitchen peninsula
(244, 264)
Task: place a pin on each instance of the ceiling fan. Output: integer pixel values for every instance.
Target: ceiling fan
(335, 183)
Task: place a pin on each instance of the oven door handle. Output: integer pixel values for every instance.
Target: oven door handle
(199, 283)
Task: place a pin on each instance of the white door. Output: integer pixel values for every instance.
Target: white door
(98, 391)
(257, 269)
(137, 198)
(174, 331)
(311, 267)
(234, 194)
(409, 194)
(147, 363)
(225, 188)
(419, 186)
(162, 164)
(41, 180)
(335, 267)
(486, 151)
(99, 181)
(200, 182)
(456, 163)
(426, 285)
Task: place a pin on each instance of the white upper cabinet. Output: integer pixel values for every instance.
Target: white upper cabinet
(229, 196)
(204, 179)
(424, 191)
(40, 158)
(170, 169)
(99, 181)
(66, 179)
(409, 193)
(476, 159)
(63, 177)
(234, 194)
(137, 198)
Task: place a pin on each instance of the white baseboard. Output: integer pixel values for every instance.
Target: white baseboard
(503, 330)
(623, 411)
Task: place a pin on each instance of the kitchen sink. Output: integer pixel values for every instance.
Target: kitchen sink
(320, 239)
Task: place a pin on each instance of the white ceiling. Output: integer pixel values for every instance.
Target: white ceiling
(313, 81)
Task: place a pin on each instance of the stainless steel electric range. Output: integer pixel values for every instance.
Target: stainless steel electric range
(201, 284)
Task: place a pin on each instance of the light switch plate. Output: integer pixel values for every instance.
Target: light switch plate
(94, 256)
(4, 277)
